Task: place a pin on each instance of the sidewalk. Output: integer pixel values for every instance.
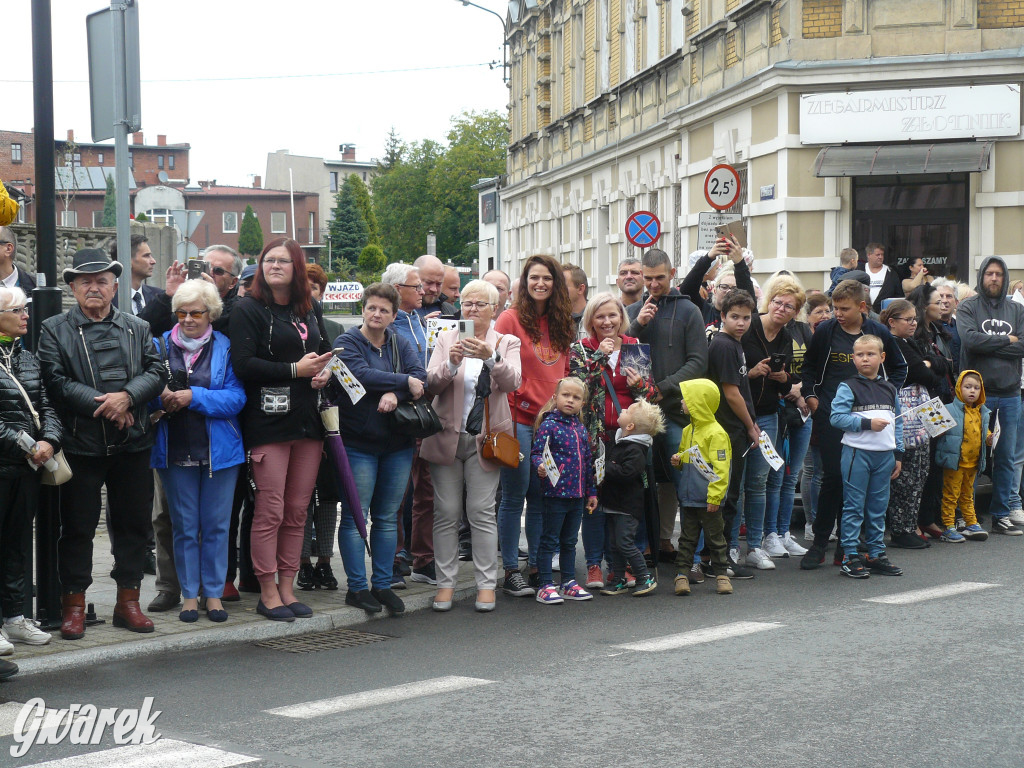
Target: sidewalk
(104, 643)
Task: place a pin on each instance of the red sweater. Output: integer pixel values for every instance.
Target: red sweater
(542, 368)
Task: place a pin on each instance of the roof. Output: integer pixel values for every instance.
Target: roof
(228, 191)
(86, 179)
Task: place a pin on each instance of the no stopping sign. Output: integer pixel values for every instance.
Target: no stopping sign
(722, 187)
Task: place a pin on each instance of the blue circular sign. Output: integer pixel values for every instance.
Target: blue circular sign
(643, 229)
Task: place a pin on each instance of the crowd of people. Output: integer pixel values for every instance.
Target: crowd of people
(606, 417)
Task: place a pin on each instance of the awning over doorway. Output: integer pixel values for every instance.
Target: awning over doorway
(892, 159)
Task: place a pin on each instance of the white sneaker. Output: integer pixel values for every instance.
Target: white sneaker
(792, 547)
(1017, 516)
(25, 631)
(833, 536)
(734, 554)
(809, 532)
(6, 649)
(758, 558)
(773, 546)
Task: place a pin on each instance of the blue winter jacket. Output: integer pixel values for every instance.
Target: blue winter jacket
(220, 404)
(949, 444)
(570, 448)
(410, 327)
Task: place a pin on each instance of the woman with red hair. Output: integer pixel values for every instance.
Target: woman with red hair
(278, 350)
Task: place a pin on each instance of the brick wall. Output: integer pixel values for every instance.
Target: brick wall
(731, 55)
(11, 171)
(999, 14)
(823, 18)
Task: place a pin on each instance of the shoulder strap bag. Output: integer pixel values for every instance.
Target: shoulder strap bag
(414, 418)
(62, 473)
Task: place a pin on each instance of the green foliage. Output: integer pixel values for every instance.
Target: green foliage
(110, 205)
(426, 186)
(361, 195)
(372, 259)
(393, 149)
(349, 233)
(250, 234)
(139, 217)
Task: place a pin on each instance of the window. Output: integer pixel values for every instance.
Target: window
(21, 215)
(15, 153)
(99, 158)
(69, 218)
(170, 162)
(278, 223)
(160, 162)
(229, 220)
(76, 160)
(97, 218)
(334, 181)
(311, 222)
(364, 175)
(131, 161)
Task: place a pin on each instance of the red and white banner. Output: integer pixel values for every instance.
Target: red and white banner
(340, 293)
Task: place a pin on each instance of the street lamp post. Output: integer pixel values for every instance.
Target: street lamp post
(504, 35)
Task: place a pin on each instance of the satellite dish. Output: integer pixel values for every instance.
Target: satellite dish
(162, 177)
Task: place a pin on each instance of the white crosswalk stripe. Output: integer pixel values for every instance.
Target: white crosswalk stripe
(164, 753)
(697, 636)
(378, 697)
(932, 593)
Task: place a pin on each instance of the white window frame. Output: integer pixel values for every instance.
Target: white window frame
(69, 218)
(97, 219)
(224, 226)
(16, 149)
(283, 228)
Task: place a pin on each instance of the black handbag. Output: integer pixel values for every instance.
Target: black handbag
(414, 418)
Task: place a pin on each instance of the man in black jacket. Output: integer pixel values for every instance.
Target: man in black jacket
(224, 271)
(101, 370)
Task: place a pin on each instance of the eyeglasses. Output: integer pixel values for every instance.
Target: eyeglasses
(195, 314)
(418, 287)
(16, 310)
(476, 304)
(783, 305)
(724, 287)
(912, 320)
(280, 262)
(222, 271)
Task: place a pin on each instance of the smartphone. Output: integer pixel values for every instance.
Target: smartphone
(465, 329)
(196, 267)
(337, 351)
(778, 362)
(733, 230)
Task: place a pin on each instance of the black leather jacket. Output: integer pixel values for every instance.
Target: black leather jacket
(83, 359)
(15, 415)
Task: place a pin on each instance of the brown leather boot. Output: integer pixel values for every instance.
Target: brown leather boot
(72, 626)
(128, 614)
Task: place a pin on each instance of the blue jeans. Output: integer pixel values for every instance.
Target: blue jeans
(865, 497)
(199, 504)
(560, 529)
(755, 482)
(1018, 464)
(517, 485)
(380, 482)
(778, 511)
(1007, 411)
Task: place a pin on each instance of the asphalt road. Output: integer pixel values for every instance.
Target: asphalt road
(794, 669)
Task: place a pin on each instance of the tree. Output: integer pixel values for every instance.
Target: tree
(393, 149)
(110, 205)
(361, 195)
(139, 217)
(403, 201)
(371, 263)
(348, 228)
(250, 234)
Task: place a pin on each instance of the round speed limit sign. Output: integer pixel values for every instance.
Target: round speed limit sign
(722, 187)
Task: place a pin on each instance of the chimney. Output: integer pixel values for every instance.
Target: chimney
(71, 135)
(257, 182)
(161, 140)
(137, 138)
(348, 152)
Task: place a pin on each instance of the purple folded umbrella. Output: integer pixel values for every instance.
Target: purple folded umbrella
(343, 471)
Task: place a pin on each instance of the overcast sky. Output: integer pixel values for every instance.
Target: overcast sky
(233, 77)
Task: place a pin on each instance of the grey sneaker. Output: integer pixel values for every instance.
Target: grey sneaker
(1004, 526)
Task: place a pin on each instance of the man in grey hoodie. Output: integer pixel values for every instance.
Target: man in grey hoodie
(991, 328)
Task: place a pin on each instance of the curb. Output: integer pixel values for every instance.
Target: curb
(322, 621)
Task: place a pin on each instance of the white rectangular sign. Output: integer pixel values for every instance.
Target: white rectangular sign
(340, 293)
(706, 224)
(910, 114)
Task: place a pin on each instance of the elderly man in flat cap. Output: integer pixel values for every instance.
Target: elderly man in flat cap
(101, 369)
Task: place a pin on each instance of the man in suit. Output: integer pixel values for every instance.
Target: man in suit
(11, 275)
(141, 269)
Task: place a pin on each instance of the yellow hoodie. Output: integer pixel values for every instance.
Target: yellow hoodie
(702, 400)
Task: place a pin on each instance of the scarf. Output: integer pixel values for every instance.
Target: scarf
(475, 419)
(190, 348)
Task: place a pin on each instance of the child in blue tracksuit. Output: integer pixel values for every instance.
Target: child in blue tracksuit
(865, 408)
(561, 430)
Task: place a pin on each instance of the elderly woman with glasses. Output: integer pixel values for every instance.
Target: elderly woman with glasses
(198, 446)
(20, 378)
(768, 349)
(465, 375)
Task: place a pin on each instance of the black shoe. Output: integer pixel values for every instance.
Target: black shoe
(149, 566)
(737, 571)
(814, 558)
(424, 575)
(465, 550)
(533, 580)
(389, 600)
(853, 566)
(907, 541)
(363, 599)
(882, 566)
(839, 556)
(516, 586)
(323, 577)
(7, 668)
(164, 601)
(280, 613)
(666, 555)
(305, 580)
(1004, 526)
(300, 610)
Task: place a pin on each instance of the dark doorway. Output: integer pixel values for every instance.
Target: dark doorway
(913, 216)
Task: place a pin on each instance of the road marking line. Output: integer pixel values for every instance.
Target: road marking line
(380, 696)
(697, 636)
(164, 753)
(932, 593)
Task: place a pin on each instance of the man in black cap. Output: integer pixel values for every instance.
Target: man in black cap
(101, 369)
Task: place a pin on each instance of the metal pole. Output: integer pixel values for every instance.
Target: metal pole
(45, 303)
(124, 231)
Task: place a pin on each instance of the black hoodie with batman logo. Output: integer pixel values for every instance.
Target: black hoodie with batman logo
(985, 325)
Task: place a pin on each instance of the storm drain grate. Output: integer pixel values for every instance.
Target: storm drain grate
(322, 641)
